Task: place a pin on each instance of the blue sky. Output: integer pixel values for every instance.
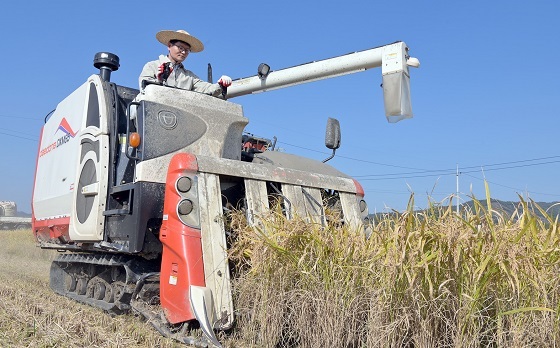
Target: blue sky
(486, 97)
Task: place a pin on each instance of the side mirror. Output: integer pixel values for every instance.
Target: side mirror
(332, 136)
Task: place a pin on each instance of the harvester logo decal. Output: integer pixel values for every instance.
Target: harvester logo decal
(167, 119)
(69, 133)
(65, 127)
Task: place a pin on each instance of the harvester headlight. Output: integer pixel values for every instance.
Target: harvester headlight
(185, 207)
(188, 208)
(184, 184)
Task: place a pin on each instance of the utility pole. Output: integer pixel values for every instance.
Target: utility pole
(457, 177)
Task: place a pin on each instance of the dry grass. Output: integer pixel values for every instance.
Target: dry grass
(429, 279)
(31, 315)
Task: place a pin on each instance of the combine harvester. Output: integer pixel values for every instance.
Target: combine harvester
(132, 186)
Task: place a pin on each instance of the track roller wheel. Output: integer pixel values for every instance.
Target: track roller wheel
(70, 282)
(81, 286)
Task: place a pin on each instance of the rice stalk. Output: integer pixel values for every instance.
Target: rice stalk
(424, 279)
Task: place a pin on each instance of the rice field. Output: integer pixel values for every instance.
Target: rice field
(420, 279)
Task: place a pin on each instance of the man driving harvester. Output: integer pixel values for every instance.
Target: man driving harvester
(170, 71)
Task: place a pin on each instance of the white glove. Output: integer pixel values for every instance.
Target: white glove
(225, 81)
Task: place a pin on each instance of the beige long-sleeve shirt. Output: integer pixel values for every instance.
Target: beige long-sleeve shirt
(179, 78)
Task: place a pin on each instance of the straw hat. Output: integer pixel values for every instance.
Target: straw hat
(165, 36)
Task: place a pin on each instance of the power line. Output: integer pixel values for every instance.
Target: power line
(350, 158)
(387, 191)
(442, 172)
(17, 136)
(388, 175)
(513, 188)
(520, 161)
(436, 172)
(23, 118)
(406, 177)
(453, 170)
(510, 167)
(13, 131)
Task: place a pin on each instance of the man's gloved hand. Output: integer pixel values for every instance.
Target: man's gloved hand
(163, 71)
(224, 81)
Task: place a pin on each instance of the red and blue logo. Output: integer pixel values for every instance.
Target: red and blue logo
(69, 133)
(64, 126)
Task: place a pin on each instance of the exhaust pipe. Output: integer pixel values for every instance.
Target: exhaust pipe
(106, 63)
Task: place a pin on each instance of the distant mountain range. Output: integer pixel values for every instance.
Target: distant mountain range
(509, 207)
(506, 208)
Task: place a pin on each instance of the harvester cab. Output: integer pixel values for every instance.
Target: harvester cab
(133, 186)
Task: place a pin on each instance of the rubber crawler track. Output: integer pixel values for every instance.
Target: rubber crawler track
(117, 284)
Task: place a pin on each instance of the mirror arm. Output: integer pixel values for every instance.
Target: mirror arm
(331, 156)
